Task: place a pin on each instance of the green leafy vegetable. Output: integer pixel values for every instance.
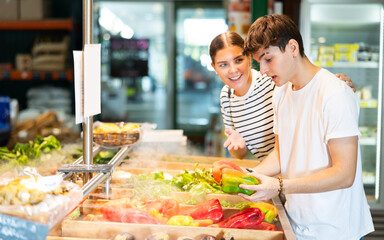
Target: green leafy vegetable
(22, 153)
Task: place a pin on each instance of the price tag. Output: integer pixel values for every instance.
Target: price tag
(20, 229)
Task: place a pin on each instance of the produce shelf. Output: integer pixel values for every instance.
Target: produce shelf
(360, 64)
(31, 75)
(52, 24)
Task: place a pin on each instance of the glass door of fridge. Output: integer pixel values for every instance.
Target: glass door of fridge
(347, 37)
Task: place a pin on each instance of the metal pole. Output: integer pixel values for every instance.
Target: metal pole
(101, 177)
(88, 121)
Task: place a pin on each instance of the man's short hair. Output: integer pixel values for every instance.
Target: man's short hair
(272, 30)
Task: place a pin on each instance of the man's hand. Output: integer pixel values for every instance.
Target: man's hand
(267, 189)
(346, 79)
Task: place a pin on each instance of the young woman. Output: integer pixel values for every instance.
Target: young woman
(246, 98)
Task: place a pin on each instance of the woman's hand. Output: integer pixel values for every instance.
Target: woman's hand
(346, 79)
(266, 190)
(234, 141)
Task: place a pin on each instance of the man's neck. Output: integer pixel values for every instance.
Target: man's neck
(305, 72)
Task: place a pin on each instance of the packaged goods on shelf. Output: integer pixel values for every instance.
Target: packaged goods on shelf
(23, 62)
(50, 54)
(326, 50)
(43, 125)
(346, 52)
(346, 48)
(35, 9)
(49, 98)
(9, 10)
(346, 57)
(45, 200)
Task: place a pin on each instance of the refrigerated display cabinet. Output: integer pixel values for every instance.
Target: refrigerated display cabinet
(347, 37)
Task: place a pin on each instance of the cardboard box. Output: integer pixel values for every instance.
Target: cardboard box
(34, 9)
(9, 10)
(23, 62)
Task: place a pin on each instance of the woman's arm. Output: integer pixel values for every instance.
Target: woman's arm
(235, 144)
(346, 79)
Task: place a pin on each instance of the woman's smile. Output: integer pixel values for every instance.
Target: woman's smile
(236, 78)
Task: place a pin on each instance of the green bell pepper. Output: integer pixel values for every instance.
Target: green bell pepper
(231, 179)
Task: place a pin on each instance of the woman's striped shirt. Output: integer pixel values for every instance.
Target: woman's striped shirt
(252, 114)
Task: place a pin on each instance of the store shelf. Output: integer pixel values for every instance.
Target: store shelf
(371, 103)
(52, 24)
(368, 64)
(368, 141)
(30, 75)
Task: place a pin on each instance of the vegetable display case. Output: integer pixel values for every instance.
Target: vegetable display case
(139, 163)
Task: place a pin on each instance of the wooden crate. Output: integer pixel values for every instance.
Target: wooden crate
(171, 164)
(71, 228)
(78, 228)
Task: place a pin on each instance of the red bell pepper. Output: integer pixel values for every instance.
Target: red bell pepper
(131, 215)
(268, 209)
(128, 215)
(265, 226)
(112, 213)
(167, 207)
(245, 219)
(112, 209)
(218, 166)
(210, 209)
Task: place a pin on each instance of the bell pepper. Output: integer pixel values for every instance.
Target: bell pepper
(182, 220)
(128, 215)
(131, 215)
(245, 219)
(218, 167)
(203, 222)
(156, 214)
(167, 207)
(231, 179)
(265, 226)
(210, 209)
(268, 209)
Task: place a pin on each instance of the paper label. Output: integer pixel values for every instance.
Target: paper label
(92, 92)
(79, 84)
(13, 228)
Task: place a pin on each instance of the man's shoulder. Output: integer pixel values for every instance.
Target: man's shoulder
(334, 91)
(328, 82)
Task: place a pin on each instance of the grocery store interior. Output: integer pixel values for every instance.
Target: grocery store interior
(155, 70)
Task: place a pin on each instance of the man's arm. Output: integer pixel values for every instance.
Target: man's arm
(340, 174)
(270, 166)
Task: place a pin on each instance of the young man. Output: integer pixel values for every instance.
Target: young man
(316, 134)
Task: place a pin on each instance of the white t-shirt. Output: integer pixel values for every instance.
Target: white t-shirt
(252, 114)
(305, 120)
